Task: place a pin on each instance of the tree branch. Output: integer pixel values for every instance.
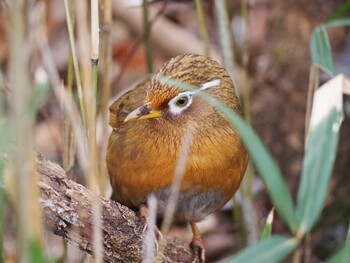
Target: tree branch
(67, 213)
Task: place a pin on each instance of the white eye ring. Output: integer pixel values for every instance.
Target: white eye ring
(184, 99)
(181, 102)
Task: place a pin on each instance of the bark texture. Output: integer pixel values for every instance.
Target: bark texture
(67, 213)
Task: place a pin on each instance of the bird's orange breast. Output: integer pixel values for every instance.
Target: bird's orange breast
(140, 163)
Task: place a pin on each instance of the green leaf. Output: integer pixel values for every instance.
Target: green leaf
(341, 10)
(348, 237)
(317, 168)
(337, 22)
(263, 160)
(343, 254)
(36, 253)
(268, 225)
(270, 250)
(321, 52)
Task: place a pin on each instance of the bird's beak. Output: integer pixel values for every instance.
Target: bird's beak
(143, 112)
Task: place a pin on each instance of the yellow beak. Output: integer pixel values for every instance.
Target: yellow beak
(142, 113)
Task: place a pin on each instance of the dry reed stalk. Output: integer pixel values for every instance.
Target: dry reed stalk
(149, 240)
(250, 217)
(107, 19)
(66, 102)
(179, 173)
(3, 117)
(141, 38)
(172, 44)
(75, 59)
(202, 27)
(148, 40)
(29, 223)
(95, 183)
(225, 36)
(69, 146)
(88, 50)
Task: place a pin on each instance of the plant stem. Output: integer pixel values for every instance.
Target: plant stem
(249, 212)
(249, 218)
(75, 61)
(314, 81)
(225, 36)
(148, 42)
(2, 205)
(106, 10)
(237, 215)
(22, 160)
(68, 156)
(246, 100)
(94, 176)
(202, 27)
(3, 120)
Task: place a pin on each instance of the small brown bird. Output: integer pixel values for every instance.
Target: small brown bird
(149, 125)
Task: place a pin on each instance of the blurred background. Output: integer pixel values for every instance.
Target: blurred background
(270, 43)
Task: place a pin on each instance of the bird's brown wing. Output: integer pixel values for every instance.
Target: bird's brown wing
(128, 102)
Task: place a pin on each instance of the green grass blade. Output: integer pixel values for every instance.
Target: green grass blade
(271, 250)
(321, 52)
(36, 253)
(268, 225)
(343, 254)
(263, 160)
(348, 237)
(337, 22)
(341, 10)
(317, 168)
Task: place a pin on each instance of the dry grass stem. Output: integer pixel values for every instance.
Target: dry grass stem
(105, 61)
(225, 36)
(202, 27)
(149, 242)
(67, 102)
(89, 91)
(139, 41)
(75, 59)
(95, 30)
(22, 165)
(174, 43)
(148, 39)
(69, 146)
(179, 173)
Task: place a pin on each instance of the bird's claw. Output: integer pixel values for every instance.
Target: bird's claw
(144, 220)
(198, 250)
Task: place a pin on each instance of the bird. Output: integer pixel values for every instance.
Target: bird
(149, 125)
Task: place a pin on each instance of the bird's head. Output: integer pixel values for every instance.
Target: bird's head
(171, 102)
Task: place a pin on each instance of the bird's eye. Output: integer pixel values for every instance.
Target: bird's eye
(182, 101)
